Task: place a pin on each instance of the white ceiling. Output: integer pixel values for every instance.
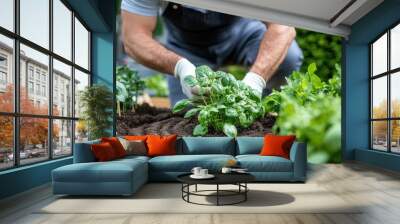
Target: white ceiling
(324, 16)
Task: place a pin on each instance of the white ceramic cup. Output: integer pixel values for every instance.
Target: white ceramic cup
(226, 170)
(203, 172)
(196, 171)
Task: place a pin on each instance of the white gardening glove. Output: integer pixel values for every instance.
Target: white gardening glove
(183, 69)
(256, 82)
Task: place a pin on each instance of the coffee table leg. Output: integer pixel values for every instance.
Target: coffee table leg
(245, 193)
(217, 194)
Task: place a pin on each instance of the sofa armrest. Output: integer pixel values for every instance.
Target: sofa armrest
(298, 155)
(83, 152)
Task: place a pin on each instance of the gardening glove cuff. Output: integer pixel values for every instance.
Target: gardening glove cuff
(255, 81)
(183, 69)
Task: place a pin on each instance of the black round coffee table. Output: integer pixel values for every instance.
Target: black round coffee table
(238, 179)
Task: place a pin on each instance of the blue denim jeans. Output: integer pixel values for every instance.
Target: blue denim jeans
(241, 48)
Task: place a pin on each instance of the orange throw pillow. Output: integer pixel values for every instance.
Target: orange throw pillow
(136, 137)
(116, 145)
(275, 145)
(161, 145)
(103, 151)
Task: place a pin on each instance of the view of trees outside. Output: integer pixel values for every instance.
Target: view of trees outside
(379, 110)
(33, 132)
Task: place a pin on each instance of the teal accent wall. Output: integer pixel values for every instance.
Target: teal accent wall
(356, 99)
(99, 16)
(103, 64)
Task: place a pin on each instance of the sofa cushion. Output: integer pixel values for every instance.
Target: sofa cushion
(83, 152)
(116, 145)
(134, 147)
(112, 171)
(207, 145)
(249, 145)
(185, 163)
(257, 163)
(277, 145)
(103, 152)
(161, 145)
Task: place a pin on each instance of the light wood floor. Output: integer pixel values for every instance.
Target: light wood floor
(378, 188)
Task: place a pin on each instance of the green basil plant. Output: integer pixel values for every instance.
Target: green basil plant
(223, 104)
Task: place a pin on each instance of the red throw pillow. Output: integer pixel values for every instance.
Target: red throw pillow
(161, 145)
(275, 145)
(116, 145)
(103, 152)
(136, 137)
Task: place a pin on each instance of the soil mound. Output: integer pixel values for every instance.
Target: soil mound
(160, 121)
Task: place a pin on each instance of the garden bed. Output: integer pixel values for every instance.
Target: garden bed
(152, 120)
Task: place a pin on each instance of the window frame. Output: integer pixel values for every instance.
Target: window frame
(388, 74)
(16, 114)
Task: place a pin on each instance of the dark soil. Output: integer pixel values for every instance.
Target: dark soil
(152, 120)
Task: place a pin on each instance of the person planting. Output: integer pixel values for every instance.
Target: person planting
(202, 37)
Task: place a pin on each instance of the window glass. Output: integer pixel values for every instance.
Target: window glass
(62, 138)
(81, 131)
(395, 136)
(62, 89)
(379, 56)
(379, 135)
(395, 94)
(33, 140)
(81, 82)
(6, 74)
(7, 14)
(62, 29)
(34, 21)
(81, 45)
(379, 97)
(39, 63)
(395, 47)
(6, 142)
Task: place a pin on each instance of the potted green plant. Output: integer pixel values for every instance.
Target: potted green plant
(96, 102)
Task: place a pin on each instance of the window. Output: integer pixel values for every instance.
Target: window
(7, 14)
(30, 88)
(385, 92)
(34, 21)
(3, 78)
(6, 73)
(44, 91)
(30, 72)
(47, 78)
(81, 45)
(38, 89)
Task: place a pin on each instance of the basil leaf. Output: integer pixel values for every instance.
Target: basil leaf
(200, 130)
(230, 130)
(191, 112)
(180, 105)
(190, 81)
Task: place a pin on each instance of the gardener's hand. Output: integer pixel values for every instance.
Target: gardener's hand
(183, 69)
(256, 82)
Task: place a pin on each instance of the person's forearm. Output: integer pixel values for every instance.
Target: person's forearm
(273, 49)
(147, 51)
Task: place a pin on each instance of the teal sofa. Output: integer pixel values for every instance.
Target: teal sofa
(125, 176)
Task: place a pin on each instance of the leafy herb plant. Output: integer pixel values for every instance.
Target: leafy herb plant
(223, 104)
(310, 108)
(129, 88)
